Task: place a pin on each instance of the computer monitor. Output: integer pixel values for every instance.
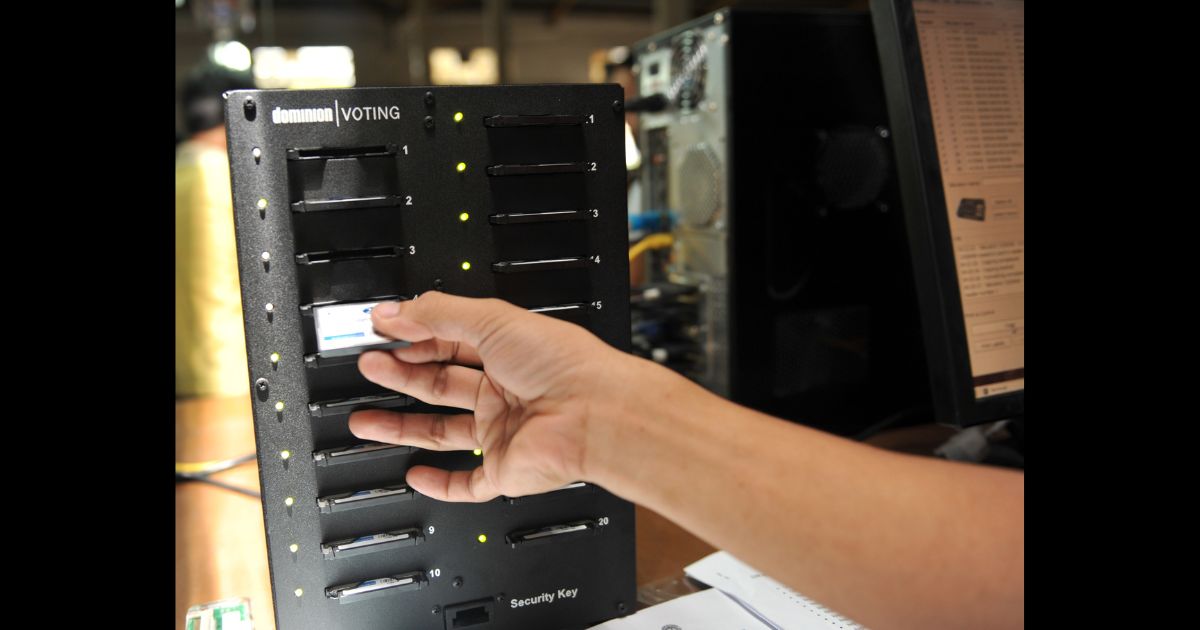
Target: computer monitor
(954, 78)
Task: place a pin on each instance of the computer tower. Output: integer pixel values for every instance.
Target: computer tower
(345, 198)
(772, 159)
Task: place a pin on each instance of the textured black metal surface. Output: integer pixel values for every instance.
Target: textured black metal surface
(321, 146)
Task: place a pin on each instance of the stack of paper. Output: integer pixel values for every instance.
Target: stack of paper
(772, 603)
(741, 599)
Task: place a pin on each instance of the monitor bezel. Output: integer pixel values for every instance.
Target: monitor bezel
(928, 224)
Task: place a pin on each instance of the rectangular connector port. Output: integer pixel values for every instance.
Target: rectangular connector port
(368, 589)
(355, 203)
(560, 308)
(519, 266)
(570, 489)
(553, 533)
(383, 541)
(364, 498)
(468, 614)
(512, 218)
(358, 453)
(341, 153)
(345, 406)
(500, 170)
(550, 120)
(342, 255)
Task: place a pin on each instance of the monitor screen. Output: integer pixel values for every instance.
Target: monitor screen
(974, 62)
(954, 78)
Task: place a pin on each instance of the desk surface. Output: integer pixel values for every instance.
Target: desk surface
(220, 545)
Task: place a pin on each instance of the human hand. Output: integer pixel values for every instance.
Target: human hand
(532, 400)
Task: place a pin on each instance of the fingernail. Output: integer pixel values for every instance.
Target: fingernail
(387, 309)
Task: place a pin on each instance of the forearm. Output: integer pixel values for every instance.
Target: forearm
(891, 540)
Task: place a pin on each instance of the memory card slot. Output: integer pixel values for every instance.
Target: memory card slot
(318, 360)
(547, 288)
(349, 280)
(547, 120)
(501, 170)
(341, 153)
(369, 589)
(552, 533)
(576, 313)
(355, 203)
(359, 453)
(560, 308)
(509, 218)
(364, 498)
(365, 253)
(372, 543)
(521, 266)
(345, 406)
(571, 489)
(338, 339)
(307, 309)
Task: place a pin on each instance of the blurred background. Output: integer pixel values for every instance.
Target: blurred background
(347, 43)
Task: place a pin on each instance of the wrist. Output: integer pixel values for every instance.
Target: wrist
(630, 420)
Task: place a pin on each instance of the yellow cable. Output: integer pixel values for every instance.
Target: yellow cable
(652, 241)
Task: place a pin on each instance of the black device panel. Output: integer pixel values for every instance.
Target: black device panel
(363, 195)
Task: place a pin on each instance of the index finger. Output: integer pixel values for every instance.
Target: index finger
(470, 486)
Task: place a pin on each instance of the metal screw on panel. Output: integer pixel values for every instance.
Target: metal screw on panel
(458, 581)
(270, 307)
(621, 607)
(883, 132)
(257, 153)
(719, 18)
(262, 384)
(429, 99)
(429, 122)
(500, 597)
(266, 256)
(437, 610)
(250, 109)
(438, 284)
(883, 207)
(618, 106)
